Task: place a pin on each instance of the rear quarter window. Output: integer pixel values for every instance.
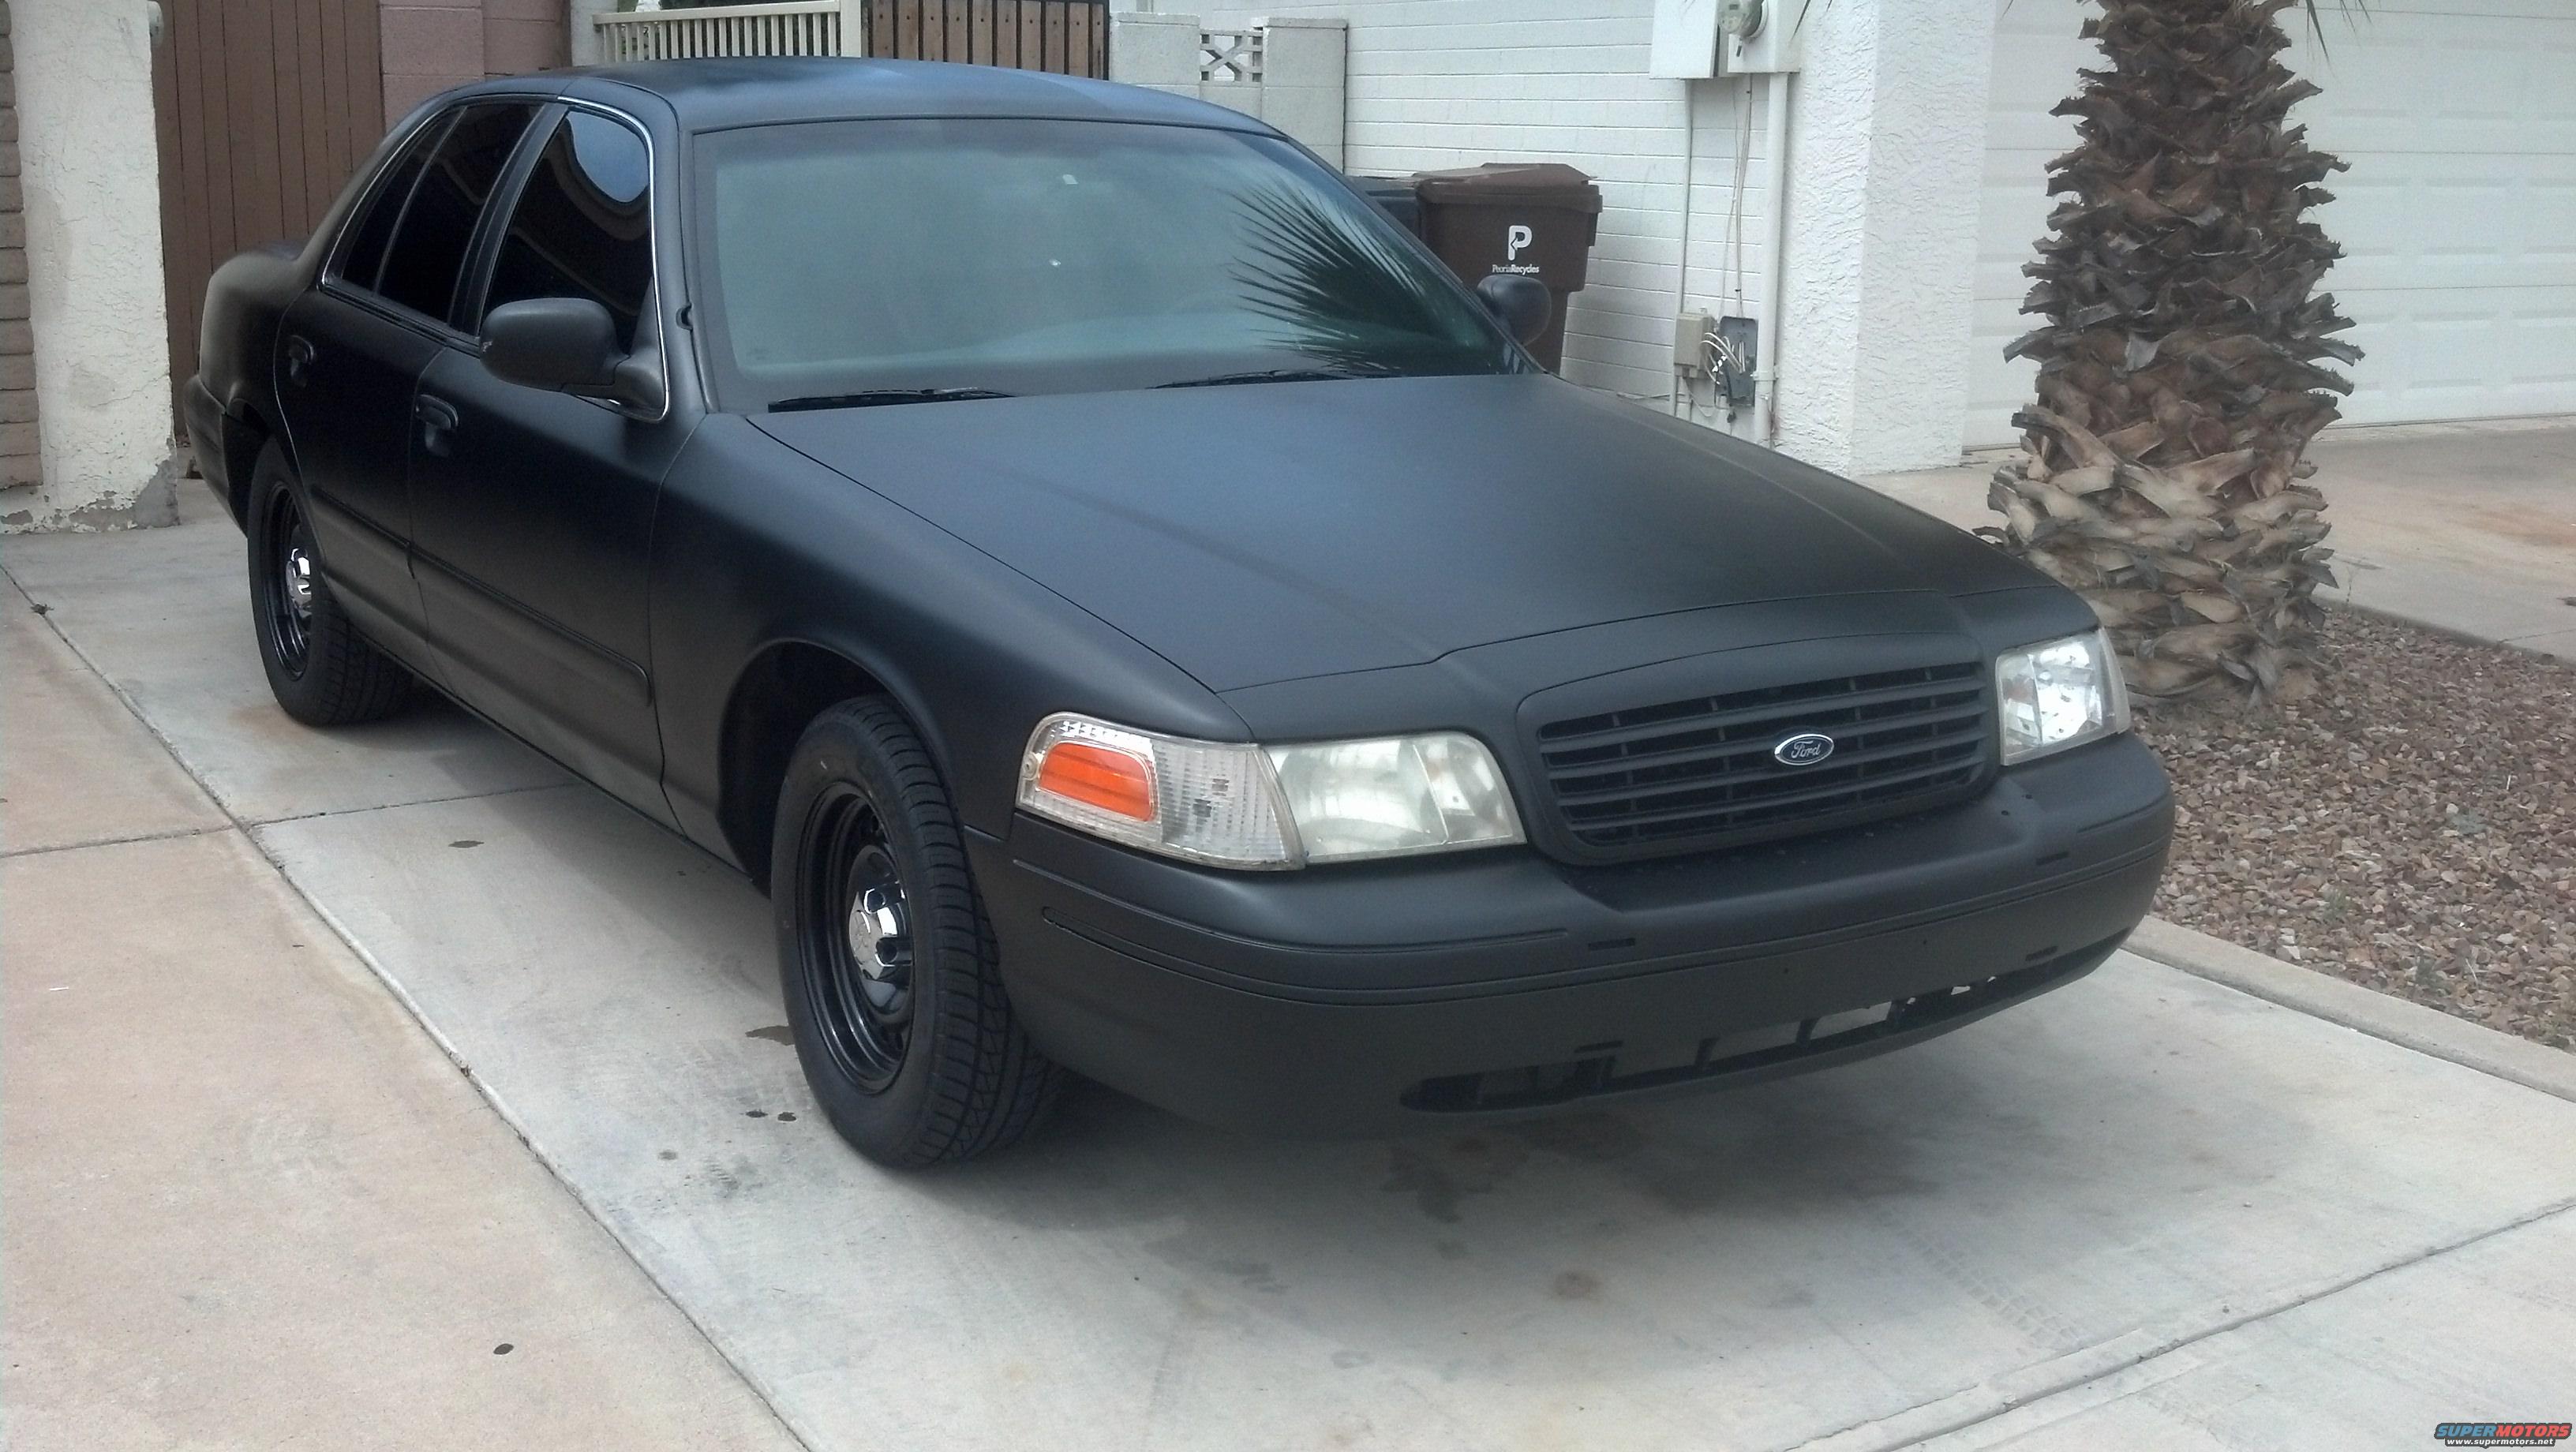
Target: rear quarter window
(410, 246)
(362, 257)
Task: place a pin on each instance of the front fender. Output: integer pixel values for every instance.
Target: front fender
(756, 544)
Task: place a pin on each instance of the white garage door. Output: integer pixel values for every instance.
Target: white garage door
(2457, 219)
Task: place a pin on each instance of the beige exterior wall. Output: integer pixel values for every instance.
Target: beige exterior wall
(89, 168)
(430, 45)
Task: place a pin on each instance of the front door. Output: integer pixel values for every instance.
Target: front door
(533, 511)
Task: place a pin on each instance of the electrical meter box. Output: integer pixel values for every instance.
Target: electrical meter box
(1696, 39)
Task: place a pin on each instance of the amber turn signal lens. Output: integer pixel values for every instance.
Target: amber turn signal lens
(1096, 776)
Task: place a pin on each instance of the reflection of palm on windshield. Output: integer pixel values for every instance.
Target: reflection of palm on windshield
(1338, 295)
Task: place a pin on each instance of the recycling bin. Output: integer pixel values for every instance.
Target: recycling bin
(1394, 196)
(1536, 218)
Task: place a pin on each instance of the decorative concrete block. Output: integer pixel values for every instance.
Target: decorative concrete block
(1148, 49)
(1311, 114)
(1300, 52)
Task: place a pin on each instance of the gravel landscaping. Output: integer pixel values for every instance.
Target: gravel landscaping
(2410, 827)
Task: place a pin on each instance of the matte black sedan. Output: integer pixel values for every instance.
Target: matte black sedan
(1135, 612)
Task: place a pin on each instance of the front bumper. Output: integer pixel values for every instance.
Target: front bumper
(1378, 998)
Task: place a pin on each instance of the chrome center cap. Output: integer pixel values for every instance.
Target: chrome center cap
(299, 581)
(879, 937)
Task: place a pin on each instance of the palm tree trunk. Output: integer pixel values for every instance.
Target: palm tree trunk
(2179, 381)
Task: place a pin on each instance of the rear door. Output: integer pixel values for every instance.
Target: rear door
(353, 349)
(533, 510)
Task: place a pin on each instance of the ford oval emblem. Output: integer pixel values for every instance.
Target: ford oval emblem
(1804, 749)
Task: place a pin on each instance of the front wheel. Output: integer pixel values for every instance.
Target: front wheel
(885, 955)
(321, 669)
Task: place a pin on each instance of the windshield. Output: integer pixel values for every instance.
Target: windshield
(850, 262)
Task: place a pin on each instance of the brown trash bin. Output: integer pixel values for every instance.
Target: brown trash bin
(1536, 218)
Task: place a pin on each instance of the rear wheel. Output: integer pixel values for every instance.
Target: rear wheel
(885, 955)
(321, 668)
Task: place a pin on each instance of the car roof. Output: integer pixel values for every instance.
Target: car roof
(718, 94)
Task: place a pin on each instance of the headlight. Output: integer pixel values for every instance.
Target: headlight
(1237, 804)
(1394, 796)
(2059, 693)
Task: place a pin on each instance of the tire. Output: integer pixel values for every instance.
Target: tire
(919, 1061)
(322, 670)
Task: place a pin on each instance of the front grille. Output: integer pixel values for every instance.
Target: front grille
(1699, 774)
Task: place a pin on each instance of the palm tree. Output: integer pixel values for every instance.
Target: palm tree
(2179, 365)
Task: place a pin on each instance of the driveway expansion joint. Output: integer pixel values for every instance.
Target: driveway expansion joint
(253, 824)
(170, 836)
(2038, 1381)
(411, 1008)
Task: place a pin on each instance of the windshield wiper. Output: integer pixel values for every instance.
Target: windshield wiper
(1281, 375)
(876, 396)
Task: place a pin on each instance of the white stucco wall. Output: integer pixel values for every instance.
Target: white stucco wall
(90, 165)
(1887, 149)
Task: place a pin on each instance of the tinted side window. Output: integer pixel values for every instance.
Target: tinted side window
(584, 224)
(364, 257)
(428, 248)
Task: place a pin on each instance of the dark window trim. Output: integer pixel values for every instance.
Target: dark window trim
(441, 329)
(484, 252)
(364, 211)
(474, 281)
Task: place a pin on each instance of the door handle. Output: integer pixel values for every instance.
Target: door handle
(437, 419)
(299, 358)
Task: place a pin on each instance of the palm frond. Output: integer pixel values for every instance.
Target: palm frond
(1328, 286)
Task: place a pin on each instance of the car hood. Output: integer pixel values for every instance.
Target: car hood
(1267, 532)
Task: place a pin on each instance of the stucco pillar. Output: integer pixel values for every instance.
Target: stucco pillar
(1886, 150)
(90, 165)
(583, 41)
(1304, 80)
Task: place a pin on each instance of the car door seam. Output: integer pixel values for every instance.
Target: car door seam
(552, 625)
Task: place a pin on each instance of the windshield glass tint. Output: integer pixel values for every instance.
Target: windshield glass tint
(1052, 257)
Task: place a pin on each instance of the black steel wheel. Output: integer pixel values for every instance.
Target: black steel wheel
(858, 934)
(287, 614)
(892, 981)
(321, 667)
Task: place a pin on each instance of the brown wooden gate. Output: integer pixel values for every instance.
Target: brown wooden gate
(1069, 37)
(266, 107)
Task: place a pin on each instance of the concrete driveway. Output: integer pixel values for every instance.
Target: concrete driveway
(2145, 1211)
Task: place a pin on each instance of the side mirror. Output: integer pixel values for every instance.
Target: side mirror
(1519, 301)
(564, 344)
